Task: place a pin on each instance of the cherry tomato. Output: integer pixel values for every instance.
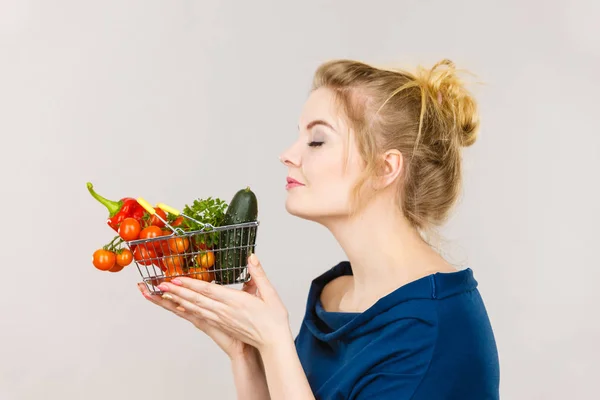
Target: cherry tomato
(144, 255)
(103, 259)
(206, 260)
(161, 264)
(129, 229)
(198, 245)
(154, 221)
(174, 265)
(201, 273)
(179, 245)
(178, 221)
(151, 232)
(124, 258)
(116, 268)
(162, 246)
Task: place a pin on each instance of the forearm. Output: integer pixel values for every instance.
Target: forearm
(284, 373)
(249, 376)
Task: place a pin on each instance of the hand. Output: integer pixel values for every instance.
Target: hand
(234, 348)
(259, 320)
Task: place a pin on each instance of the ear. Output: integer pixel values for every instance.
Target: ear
(392, 163)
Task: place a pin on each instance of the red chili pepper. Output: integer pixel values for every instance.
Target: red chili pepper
(119, 210)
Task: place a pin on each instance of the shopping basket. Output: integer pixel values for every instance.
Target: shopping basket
(213, 254)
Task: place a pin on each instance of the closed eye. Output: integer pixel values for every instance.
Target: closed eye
(315, 143)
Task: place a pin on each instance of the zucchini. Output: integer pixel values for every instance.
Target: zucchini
(232, 258)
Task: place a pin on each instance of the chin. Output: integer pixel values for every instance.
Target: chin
(311, 212)
(300, 209)
(295, 209)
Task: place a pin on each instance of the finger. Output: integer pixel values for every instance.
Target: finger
(164, 303)
(192, 300)
(260, 277)
(171, 304)
(191, 307)
(219, 293)
(250, 287)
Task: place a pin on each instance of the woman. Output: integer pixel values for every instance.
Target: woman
(377, 162)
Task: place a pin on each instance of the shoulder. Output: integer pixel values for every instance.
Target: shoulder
(399, 352)
(435, 347)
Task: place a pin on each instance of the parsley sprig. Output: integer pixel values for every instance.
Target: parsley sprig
(208, 211)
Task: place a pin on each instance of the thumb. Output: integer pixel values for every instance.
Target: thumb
(260, 277)
(250, 287)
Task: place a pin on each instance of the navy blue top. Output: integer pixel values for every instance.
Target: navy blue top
(430, 339)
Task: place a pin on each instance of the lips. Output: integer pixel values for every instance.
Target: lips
(292, 181)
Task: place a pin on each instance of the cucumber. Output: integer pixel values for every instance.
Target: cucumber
(230, 262)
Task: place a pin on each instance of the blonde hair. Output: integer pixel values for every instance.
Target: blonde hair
(427, 115)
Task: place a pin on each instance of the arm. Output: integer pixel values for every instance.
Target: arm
(249, 376)
(284, 373)
(246, 363)
(260, 321)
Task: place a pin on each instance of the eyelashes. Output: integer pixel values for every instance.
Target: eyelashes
(315, 143)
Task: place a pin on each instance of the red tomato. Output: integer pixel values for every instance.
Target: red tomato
(173, 266)
(162, 246)
(177, 221)
(203, 273)
(124, 258)
(149, 233)
(103, 259)
(198, 245)
(116, 268)
(129, 229)
(144, 255)
(179, 244)
(206, 260)
(154, 221)
(161, 264)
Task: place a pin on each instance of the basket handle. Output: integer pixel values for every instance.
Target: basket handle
(142, 202)
(168, 209)
(146, 205)
(176, 212)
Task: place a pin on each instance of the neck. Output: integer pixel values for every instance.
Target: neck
(385, 252)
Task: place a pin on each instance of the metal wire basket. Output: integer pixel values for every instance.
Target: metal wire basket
(213, 254)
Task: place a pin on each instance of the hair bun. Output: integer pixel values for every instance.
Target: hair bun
(452, 99)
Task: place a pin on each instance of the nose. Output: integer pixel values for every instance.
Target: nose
(289, 158)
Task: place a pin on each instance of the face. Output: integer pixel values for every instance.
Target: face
(319, 179)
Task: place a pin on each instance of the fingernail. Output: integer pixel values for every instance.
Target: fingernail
(253, 259)
(176, 281)
(167, 296)
(180, 308)
(163, 287)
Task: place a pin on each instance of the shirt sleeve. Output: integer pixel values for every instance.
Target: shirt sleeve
(397, 361)
(386, 386)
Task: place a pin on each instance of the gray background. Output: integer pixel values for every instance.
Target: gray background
(172, 100)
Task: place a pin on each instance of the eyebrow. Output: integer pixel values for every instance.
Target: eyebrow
(318, 122)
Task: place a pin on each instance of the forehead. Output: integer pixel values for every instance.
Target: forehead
(322, 105)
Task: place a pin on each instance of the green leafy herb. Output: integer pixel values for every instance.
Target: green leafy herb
(208, 211)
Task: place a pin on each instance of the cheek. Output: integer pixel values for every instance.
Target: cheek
(330, 183)
(323, 169)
